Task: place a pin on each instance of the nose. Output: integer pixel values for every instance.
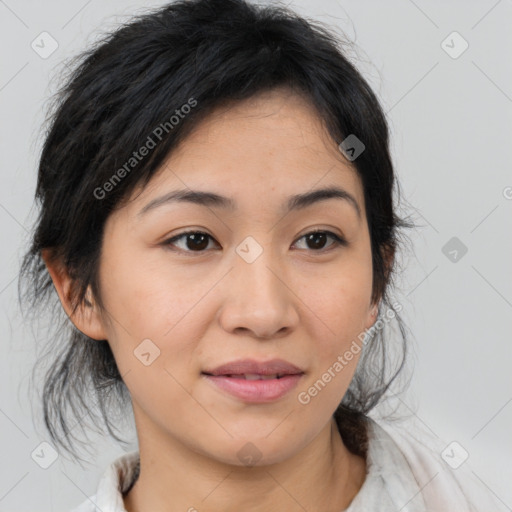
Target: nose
(257, 299)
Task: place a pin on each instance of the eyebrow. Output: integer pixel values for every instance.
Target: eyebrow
(211, 199)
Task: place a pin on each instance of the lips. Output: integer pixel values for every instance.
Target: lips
(255, 382)
(252, 370)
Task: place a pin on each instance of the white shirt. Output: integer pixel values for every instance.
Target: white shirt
(404, 474)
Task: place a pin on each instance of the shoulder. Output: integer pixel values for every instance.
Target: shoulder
(116, 479)
(444, 482)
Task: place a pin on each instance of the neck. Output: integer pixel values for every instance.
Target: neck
(324, 476)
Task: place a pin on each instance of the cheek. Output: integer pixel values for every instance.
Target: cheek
(154, 340)
(341, 302)
(145, 295)
(340, 316)
(155, 316)
(339, 313)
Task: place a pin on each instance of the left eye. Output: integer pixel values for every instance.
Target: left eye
(319, 237)
(197, 241)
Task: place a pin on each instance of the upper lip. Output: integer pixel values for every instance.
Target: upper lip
(250, 366)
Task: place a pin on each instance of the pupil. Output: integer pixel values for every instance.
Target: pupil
(314, 237)
(197, 242)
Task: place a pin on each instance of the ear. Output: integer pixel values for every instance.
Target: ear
(86, 318)
(373, 310)
(388, 254)
(371, 316)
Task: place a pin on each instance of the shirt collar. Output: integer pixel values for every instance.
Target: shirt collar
(115, 481)
(390, 483)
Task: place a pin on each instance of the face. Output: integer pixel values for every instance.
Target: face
(249, 281)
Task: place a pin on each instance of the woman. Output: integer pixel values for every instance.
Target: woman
(217, 221)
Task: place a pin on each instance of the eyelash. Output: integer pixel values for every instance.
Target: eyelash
(338, 241)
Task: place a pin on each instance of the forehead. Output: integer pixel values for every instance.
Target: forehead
(278, 120)
(260, 151)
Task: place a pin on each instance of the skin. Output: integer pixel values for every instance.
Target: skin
(202, 309)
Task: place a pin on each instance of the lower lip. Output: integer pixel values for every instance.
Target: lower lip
(256, 391)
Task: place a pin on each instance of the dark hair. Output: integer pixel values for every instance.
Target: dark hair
(201, 53)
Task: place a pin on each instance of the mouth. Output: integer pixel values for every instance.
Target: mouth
(255, 382)
(251, 376)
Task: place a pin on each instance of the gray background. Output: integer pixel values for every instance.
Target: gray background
(450, 121)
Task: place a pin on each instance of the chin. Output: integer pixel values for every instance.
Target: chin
(256, 451)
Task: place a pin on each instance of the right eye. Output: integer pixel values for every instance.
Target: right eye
(192, 241)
